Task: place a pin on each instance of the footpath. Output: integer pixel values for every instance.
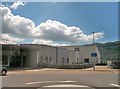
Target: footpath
(98, 69)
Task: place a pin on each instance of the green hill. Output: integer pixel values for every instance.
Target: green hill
(109, 51)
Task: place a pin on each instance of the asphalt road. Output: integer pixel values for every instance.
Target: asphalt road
(55, 79)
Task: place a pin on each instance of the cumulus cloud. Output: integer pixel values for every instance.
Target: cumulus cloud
(48, 42)
(88, 38)
(57, 31)
(15, 24)
(17, 4)
(9, 39)
(48, 32)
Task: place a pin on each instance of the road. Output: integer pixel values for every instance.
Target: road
(57, 78)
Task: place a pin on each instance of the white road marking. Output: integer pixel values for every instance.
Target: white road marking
(51, 82)
(67, 81)
(32, 70)
(33, 83)
(115, 85)
(51, 69)
(66, 85)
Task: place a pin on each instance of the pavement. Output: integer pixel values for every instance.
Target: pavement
(48, 78)
(103, 68)
(29, 70)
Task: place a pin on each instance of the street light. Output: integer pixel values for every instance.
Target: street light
(93, 37)
(93, 44)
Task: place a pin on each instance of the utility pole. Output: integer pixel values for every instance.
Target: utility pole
(93, 44)
(93, 37)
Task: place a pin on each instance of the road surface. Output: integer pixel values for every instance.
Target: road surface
(57, 78)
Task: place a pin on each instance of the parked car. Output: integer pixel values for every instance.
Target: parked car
(3, 71)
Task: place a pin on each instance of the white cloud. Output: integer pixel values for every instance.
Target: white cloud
(57, 31)
(49, 32)
(88, 38)
(17, 4)
(15, 24)
(48, 42)
(9, 39)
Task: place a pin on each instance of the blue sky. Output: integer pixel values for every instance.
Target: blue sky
(88, 16)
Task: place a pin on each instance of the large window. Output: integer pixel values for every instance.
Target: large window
(50, 59)
(46, 59)
(4, 60)
(77, 60)
(86, 60)
(93, 54)
(67, 60)
(76, 49)
(24, 60)
(63, 60)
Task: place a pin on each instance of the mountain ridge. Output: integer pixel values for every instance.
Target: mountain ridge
(109, 51)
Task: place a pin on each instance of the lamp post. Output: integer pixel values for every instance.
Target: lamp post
(93, 44)
(93, 37)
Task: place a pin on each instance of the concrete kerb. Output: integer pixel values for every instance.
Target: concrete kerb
(23, 68)
(98, 69)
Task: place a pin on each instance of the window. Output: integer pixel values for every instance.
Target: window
(24, 57)
(76, 49)
(24, 60)
(93, 54)
(77, 60)
(50, 60)
(46, 59)
(67, 60)
(4, 60)
(63, 60)
(86, 60)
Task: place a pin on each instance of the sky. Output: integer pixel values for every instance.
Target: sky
(59, 23)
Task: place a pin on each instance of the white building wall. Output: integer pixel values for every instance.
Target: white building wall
(31, 58)
(37, 54)
(63, 54)
(72, 56)
(98, 55)
(77, 60)
(47, 54)
(85, 53)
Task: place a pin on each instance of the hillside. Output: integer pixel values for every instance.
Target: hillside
(109, 51)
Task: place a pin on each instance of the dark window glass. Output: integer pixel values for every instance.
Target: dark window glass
(4, 60)
(93, 54)
(50, 59)
(77, 60)
(76, 49)
(67, 60)
(63, 60)
(46, 59)
(86, 60)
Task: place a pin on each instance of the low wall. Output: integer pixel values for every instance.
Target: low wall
(65, 66)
